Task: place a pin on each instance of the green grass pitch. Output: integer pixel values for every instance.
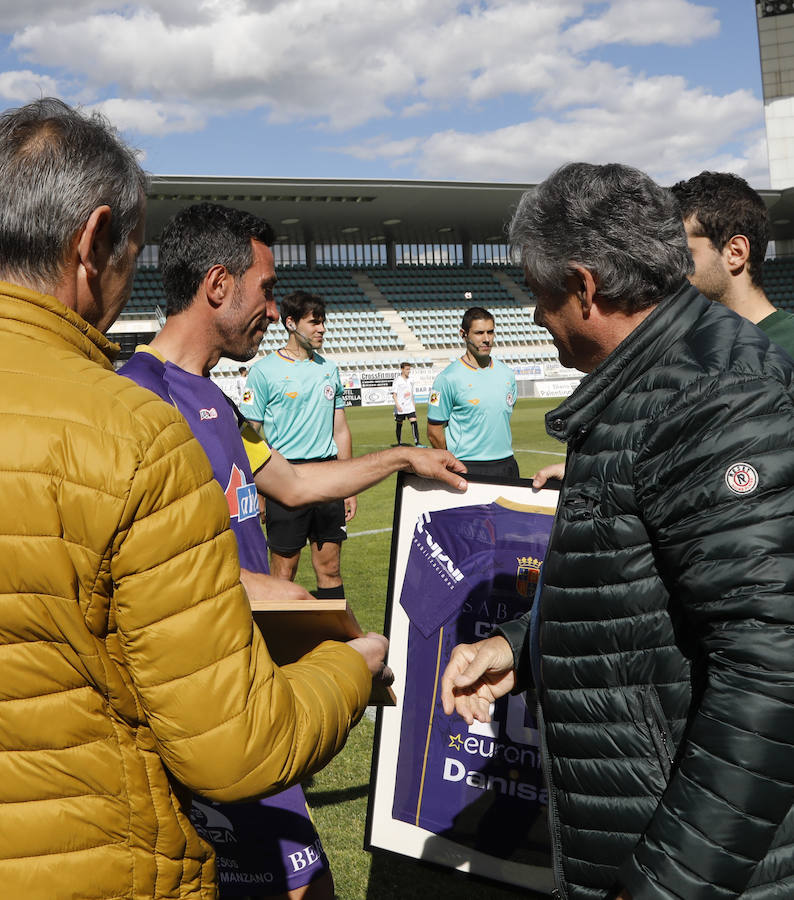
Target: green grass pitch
(338, 795)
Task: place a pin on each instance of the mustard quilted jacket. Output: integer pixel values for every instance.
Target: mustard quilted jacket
(130, 672)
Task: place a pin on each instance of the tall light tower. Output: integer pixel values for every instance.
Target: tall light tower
(776, 43)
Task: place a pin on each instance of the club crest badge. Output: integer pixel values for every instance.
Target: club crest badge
(527, 574)
(741, 478)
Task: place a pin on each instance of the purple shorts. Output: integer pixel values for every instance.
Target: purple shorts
(264, 847)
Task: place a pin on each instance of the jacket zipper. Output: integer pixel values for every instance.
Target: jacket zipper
(560, 891)
(654, 716)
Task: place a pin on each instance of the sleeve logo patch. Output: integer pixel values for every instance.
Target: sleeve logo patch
(435, 398)
(510, 398)
(741, 478)
(248, 396)
(328, 391)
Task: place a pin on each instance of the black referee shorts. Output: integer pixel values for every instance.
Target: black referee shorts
(288, 528)
(494, 468)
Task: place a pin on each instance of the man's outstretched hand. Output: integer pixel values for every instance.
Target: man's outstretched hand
(555, 470)
(476, 675)
(438, 464)
(373, 647)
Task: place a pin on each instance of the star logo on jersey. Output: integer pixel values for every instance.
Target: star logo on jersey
(241, 497)
(455, 742)
(210, 413)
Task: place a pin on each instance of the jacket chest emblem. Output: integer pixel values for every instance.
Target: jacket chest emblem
(741, 478)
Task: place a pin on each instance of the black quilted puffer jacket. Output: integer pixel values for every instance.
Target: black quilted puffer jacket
(667, 617)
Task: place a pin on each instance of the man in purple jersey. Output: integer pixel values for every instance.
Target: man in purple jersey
(218, 273)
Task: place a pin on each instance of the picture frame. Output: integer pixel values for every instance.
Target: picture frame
(467, 798)
(293, 630)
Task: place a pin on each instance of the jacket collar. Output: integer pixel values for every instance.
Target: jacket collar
(669, 321)
(28, 310)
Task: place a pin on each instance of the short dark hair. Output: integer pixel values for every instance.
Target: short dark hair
(57, 165)
(299, 304)
(472, 314)
(200, 237)
(614, 221)
(723, 205)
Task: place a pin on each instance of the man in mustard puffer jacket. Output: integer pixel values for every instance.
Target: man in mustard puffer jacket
(130, 672)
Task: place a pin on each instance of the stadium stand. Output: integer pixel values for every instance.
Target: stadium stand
(427, 300)
(779, 282)
(397, 263)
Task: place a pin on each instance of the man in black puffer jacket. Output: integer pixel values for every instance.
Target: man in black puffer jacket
(661, 641)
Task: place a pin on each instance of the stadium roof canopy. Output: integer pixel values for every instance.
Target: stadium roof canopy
(348, 211)
(338, 211)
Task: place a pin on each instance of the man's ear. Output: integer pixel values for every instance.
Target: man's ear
(95, 242)
(585, 287)
(736, 253)
(218, 284)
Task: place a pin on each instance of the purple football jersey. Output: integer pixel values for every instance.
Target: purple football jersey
(213, 419)
(470, 568)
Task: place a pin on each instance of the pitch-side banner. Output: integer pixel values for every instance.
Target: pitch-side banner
(468, 797)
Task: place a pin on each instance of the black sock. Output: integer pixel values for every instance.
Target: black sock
(399, 429)
(415, 429)
(332, 593)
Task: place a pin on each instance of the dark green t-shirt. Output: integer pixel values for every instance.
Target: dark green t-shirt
(779, 327)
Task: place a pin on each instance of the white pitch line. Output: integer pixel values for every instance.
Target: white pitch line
(539, 452)
(372, 531)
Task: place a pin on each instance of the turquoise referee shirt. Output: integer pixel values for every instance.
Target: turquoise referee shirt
(296, 400)
(476, 405)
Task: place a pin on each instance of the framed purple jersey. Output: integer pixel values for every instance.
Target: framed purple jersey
(472, 797)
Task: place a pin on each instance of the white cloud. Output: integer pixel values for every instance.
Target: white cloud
(752, 163)
(384, 148)
(173, 65)
(676, 22)
(24, 86)
(416, 109)
(148, 117)
(343, 62)
(657, 125)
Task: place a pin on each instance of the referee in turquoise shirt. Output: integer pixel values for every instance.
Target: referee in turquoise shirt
(471, 403)
(297, 395)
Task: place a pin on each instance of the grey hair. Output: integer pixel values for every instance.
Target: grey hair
(57, 165)
(614, 221)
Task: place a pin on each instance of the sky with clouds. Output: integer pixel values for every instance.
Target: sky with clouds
(496, 90)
